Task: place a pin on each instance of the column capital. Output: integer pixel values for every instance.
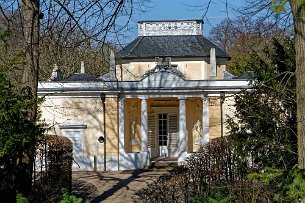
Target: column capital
(121, 102)
(182, 98)
(205, 95)
(143, 99)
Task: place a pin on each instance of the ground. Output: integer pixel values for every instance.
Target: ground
(113, 187)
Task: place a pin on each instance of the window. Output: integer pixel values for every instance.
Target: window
(162, 129)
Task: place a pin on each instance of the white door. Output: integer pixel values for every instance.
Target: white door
(163, 135)
(168, 135)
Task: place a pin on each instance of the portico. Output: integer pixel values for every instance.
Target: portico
(164, 115)
(163, 131)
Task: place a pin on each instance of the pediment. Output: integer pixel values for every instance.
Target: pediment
(162, 79)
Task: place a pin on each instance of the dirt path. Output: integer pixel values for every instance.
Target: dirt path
(113, 187)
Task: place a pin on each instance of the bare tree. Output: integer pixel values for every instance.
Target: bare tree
(66, 24)
(243, 34)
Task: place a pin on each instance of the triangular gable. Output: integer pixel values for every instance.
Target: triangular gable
(161, 79)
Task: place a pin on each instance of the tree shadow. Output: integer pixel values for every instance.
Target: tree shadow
(121, 184)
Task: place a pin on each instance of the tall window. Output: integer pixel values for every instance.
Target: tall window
(162, 129)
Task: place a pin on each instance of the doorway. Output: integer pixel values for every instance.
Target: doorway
(167, 135)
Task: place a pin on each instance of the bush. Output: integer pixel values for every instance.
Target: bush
(67, 198)
(215, 195)
(213, 165)
(21, 199)
(55, 163)
(288, 185)
(216, 174)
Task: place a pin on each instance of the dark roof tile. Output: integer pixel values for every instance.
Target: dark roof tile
(173, 46)
(77, 77)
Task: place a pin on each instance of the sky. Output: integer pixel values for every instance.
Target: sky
(184, 9)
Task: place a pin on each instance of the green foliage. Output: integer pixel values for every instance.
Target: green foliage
(15, 124)
(216, 195)
(19, 131)
(239, 64)
(67, 198)
(291, 184)
(266, 126)
(18, 135)
(267, 176)
(4, 35)
(279, 5)
(288, 185)
(21, 199)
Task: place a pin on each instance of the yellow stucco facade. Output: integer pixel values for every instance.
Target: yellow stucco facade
(58, 110)
(166, 95)
(192, 70)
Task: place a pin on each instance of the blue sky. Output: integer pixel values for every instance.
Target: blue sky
(185, 9)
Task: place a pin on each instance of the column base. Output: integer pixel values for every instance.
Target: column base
(181, 158)
(134, 160)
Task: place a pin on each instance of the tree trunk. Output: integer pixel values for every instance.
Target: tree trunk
(298, 11)
(30, 19)
(30, 14)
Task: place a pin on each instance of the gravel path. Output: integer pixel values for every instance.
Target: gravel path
(113, 187)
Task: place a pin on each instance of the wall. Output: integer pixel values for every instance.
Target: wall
(228, 111)
(132, 113)
(192, 70)
(215, 117)
(111, 131)
(88, 111)
(193, 114)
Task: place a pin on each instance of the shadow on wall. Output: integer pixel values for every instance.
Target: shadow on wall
(88, 152)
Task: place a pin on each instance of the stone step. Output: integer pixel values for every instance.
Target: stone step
(164, 162)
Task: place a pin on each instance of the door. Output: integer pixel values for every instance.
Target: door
(168, 135)
(162, 135)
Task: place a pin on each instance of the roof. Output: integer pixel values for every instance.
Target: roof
(247, 75)
(172, 46)
(228, 75)
(80, 77)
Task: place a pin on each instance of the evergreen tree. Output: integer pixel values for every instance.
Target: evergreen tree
(16, 132)
(266, 126)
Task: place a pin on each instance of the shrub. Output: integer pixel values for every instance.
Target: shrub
(55, 163)
(288, 185)
(212, 165)
(21, 199)
(214, 195)
(67, 198)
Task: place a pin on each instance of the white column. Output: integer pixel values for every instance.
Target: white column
(182, 131)
(121, 133)
(144, 126)
(205, 119)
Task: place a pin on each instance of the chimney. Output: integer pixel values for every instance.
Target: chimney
(112, 69)
(56, 74)
(213, 62)
(82, 67)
